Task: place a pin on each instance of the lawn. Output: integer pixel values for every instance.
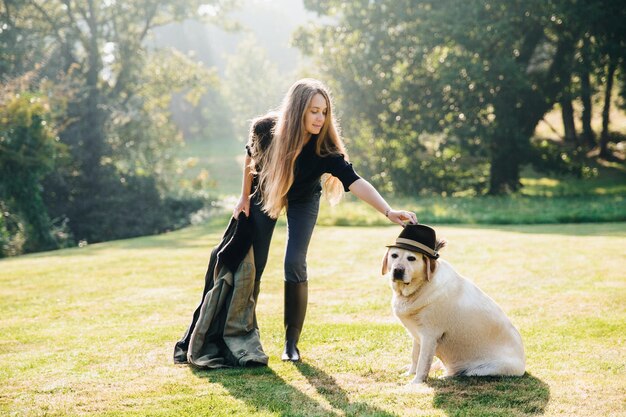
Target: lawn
(90, 331)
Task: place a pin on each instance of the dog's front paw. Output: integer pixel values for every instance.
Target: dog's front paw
(417, 380)
(419, 387)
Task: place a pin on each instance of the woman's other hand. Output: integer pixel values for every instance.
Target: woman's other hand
(402, 217)
(242, 205)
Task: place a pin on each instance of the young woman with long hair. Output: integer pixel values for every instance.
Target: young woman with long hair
(293, 155)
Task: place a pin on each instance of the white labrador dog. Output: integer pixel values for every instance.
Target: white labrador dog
(450, 317)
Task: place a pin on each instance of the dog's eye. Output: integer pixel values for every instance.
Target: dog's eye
(394, 255)
(411, 258)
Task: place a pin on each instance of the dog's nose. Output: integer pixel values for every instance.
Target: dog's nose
(398, 273)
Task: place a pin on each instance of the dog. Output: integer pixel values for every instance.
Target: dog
(446, 314)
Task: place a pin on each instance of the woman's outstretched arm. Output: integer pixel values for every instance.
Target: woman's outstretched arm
(366, 192)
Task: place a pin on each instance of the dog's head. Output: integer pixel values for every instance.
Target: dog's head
(408, 270)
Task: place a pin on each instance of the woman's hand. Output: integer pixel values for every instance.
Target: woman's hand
(402, 217)
(242, 205)
(366, 192)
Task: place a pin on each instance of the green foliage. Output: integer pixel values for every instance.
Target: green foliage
(12, 234)
(142, 137)
(551, 158)
(252, 84)
(28, 151)
(214, 116)
(20, 41)
(481, 73)
(114, 115)
(424, 164)
(124, 206)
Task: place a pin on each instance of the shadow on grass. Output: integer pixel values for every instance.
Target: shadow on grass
(492, 396)
(337, 397)
(264, 390)
(261, 389)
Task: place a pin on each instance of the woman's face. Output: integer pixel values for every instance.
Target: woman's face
(315, 115)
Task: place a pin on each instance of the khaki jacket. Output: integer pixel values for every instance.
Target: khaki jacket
(223, 332)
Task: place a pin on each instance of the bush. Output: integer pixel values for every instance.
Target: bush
(120, 206)
(29, 151)
(427, 164)
(551, 157)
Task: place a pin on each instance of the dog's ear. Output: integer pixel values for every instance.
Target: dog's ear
(384, 268)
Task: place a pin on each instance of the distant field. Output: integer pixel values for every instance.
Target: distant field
(90, 331)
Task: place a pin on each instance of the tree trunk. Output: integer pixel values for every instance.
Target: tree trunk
(93, 122)
(506, 158)
(515, 127)
(567, 112)
(604, 136)
(91, 188)
(503, 175)
(585, 94)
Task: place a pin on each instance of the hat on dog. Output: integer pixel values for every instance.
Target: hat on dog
(418, 238)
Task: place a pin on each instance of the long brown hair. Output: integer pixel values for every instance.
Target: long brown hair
(278, 161)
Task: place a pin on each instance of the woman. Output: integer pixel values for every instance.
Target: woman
(287, 154)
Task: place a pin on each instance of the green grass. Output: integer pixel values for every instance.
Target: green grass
(90, 331)
(485, 210)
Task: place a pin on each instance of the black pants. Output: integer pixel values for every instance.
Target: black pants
(301, 218)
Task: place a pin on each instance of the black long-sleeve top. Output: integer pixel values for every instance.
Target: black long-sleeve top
(309, 166)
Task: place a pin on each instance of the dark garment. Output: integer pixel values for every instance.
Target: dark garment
(309, 166)
(223, 332)
(302, 200)
(301, 218)
(263, 227)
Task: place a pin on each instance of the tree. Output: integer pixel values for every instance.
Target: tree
(483, 73)
(117, 125)
(604, 135)
(600, 33)
(610, 33)
(567, 114)
(480, 73)
(28, 151)
(252, 84)
(23, 46)
(586, 92)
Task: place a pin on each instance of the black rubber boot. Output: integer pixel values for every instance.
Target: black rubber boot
(296, 298)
